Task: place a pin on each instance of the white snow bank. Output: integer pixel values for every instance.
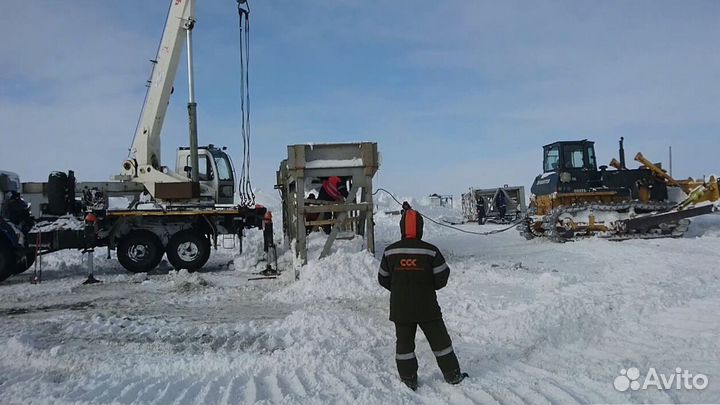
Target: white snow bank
(704, 226)
(343, 275)
(184, 281)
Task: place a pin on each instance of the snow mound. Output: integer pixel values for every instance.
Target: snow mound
(343, 275)
(707, 226)
(185, 282)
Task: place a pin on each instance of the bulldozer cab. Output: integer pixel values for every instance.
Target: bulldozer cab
(569, 156)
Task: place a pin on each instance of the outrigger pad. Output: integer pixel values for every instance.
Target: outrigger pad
(91, 280)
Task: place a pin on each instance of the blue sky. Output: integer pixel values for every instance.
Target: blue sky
(456, 93)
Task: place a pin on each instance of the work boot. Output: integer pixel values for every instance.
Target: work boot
(411, 382)
(456, 378)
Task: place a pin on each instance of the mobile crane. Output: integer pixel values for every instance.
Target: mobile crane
(189, 207)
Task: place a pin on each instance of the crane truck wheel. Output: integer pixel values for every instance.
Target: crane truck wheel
(140, 251)
(188, 250)
(7, 262)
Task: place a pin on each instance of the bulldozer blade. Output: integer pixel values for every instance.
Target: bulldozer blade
(646, 222)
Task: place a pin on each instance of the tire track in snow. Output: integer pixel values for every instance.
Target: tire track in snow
(291, 384)
(189, 395)
(249, 394)
(170, 392)
(504, 395)
(549, 385)
(131, 392)
(151, 391)
(308, 381)
(528, 393)
(113, 391)
(235, 391)
(269, 387)
(480, 396)
(209, 393)
(227, 391)
(100, 390)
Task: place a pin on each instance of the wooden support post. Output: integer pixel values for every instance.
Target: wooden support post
(336, 227)
(300, 209)
(370, 217)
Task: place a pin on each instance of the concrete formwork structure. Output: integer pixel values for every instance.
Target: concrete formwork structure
(305, 168)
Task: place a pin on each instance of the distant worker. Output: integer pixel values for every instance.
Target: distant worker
(412, 270)
(500, 203)
(309, 217)
(269, 246)
(17, 211)
(480, 207)
(330, 191)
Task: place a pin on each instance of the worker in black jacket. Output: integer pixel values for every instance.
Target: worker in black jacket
(412, 270)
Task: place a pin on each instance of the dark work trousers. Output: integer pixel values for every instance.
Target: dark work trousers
(481, 215)
(440, 343)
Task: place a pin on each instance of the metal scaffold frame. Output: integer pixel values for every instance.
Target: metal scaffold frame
(308, 165)
(514, 197)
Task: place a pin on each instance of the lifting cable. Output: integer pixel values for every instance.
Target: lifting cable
(245, 191)
(493, 232)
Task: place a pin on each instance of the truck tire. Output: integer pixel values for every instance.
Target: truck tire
(188, 250)
(8, 262)
(140, 251)
(56, 192)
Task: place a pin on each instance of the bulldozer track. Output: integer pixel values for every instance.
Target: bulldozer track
(553, 230)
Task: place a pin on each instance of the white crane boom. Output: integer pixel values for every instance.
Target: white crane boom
(194, 180)
(145, 165)
(180, 21)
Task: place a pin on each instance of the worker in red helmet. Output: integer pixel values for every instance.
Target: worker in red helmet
(331, 190)
(413, 270)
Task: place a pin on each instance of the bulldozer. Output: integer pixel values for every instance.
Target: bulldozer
(574, 198)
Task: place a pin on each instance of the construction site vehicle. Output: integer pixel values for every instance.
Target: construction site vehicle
(572, 198)
(178, 212)
(15, 222)
(437, 200)
(514, 198)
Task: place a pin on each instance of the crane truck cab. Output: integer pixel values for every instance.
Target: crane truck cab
(216, 173)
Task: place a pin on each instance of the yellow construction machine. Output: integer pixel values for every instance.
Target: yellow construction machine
(573, 198)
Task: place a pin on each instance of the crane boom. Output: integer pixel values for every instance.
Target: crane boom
(202, 174)
(180, 21)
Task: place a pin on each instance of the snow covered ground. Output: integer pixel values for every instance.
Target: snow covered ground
(532, 322)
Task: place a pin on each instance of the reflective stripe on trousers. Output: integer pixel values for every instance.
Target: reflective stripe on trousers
(405, 356)
(443, 352)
